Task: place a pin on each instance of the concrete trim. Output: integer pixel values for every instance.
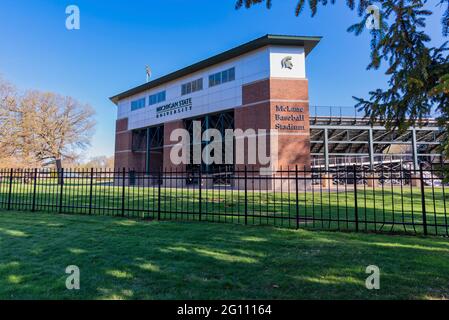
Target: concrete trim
(301, 134)
(289, 79)
(270, 101)
(129, 151)
(122, 132)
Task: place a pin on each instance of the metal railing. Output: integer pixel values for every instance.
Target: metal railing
(347, 112)
(335, 112)
(349, 199)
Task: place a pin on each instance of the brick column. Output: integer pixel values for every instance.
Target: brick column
(168, 128)
(178, 176)
(124, 157)
(280, 104)
(290, 116)
(255, 114)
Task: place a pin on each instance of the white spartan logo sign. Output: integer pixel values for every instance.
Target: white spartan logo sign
(287, 63)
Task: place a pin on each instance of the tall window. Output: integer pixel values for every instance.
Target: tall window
(222, 77)
(192, 86)
(138, 104)
(157, 98)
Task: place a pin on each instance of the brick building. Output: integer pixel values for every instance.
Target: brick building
(261, 84)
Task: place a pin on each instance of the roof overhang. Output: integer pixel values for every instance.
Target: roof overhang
(308, 42)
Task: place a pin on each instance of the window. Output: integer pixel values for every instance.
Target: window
(231, 73)
(138, 104)
(222, 77)
(157, 98)
(211, 81)
(192, 86)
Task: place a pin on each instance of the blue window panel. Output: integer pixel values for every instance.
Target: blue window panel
(221, 77)
(157, 98)
(200, 84)
(194, 86)
(224, 76)
(231, 74)
(217, 78)
(137, 104)
(211, 81)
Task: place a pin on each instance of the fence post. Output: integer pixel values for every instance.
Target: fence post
(11, 173)
(246, 196)
(297, 198)
(61, 189)
(423, 199)
(159, 182)
(356, 208)
(33, 207)
(91, 189)
(200, 193)
(123, 191)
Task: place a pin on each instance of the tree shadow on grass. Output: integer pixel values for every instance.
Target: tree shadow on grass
(128, 259)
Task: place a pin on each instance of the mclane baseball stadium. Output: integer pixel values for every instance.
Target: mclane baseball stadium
(261, 84)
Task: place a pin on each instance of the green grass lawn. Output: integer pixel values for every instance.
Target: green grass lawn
(388, 209)
(135, 259)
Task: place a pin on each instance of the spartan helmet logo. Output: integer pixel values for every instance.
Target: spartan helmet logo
(287, 63)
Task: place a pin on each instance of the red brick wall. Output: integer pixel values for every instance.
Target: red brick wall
(258, 112)
(168, 128)
(256, 116)
(124, 157)
(156, 160)
(130, 160)
(121, 125)
(256, 92)
(123, 141)
(293, 89)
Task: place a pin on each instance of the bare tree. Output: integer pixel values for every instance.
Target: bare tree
(42, 127)
(8, 105)
(55, 127)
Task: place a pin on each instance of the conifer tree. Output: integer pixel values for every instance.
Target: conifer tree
(418, 83)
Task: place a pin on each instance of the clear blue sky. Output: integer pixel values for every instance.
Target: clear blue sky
(118, 38)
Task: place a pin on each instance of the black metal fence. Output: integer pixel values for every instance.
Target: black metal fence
(352, 199)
